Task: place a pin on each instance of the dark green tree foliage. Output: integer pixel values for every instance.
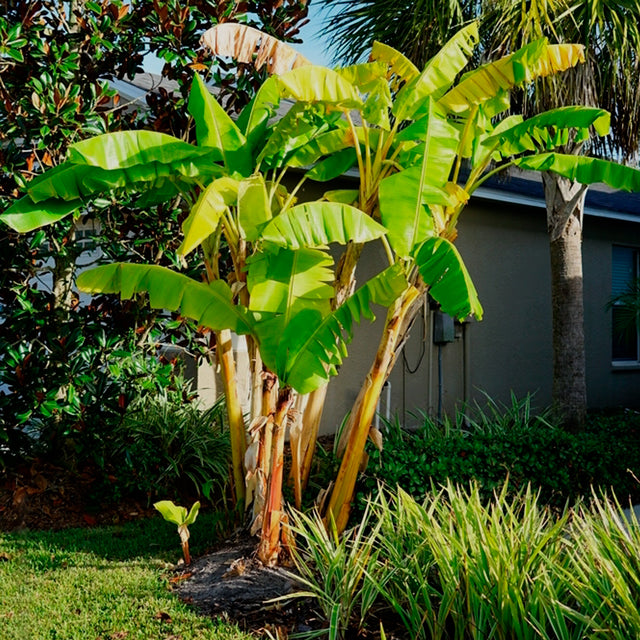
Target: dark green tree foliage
(69, 370)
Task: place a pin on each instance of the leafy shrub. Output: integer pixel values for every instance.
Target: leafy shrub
(496, 442)
(166, 446)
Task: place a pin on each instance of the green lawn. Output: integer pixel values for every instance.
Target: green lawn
(101, 584)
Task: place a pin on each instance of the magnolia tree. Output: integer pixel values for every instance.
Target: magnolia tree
(408, 132)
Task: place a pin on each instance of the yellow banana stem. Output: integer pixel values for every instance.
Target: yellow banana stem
(234, 410)
(362, 416)
(311, 422)
(269, 545)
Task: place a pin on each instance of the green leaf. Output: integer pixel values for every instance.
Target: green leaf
(334, 166)
(399, 64)
(171, 512)
(193, 514)
(549, 130)
(24, 215)
(209, 305)
(439, 73)
(405, 196)
(321, 145)
(319, 84)
(584, 169)
(345, 196)
(441, 267)
(215, 129)
(536, 60)
(123, 149)
(371, 80)
(316, 224)
(70, 181)
(203, 219)
(311, 346)
(286, 281)
(254, 210)
(254, 119)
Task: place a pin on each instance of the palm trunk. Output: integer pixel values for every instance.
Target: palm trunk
(269, 545)
(227, 364)
(565, 204)
(395, 331)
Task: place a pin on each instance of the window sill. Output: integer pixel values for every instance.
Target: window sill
(625, 366)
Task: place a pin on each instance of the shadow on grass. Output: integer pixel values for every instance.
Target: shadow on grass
(143, 539)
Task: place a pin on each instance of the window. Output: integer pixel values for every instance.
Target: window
(625, 272)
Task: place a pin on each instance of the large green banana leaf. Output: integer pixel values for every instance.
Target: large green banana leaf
(322, 145)
(537, 59)
(399, 64)
(316, 224)
(254, 209)
(312, 345)
(127, 149)
(319, 84)
(301, 124)
(441, 267)
(286, 281)
(438, 74)
(216, 130)
(203, 219)
(209, 305)
(437, 143)
(584, 169)
(549, 130)
(404, 197)
(334, 166)
(253, 120)
(24, 215)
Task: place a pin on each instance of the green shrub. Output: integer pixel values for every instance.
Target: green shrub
(493, 443)
(169, 447)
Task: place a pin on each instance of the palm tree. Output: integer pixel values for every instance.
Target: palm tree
(419, 29)
(610, 31)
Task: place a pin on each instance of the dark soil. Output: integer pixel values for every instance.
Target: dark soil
(231, 583)
(44, 496)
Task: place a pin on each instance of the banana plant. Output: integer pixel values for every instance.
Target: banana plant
(410, 133)
(179, 516)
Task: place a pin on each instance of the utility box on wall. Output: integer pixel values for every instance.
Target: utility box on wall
(444, 330)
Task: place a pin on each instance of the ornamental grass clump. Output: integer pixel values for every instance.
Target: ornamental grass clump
(454, 567)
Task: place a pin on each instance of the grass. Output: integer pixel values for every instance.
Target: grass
(107, 583)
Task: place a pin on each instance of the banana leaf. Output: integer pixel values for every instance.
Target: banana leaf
(584, 169)
(285, 281)
(404, 197)
(317, 224)
(125, 149)
(210, 305)
(24, 215)
(399, 64)
(438, 74)
(441, 267)
(254, 210)
(550, 130)
(312, 345)
(319, 84)
(253, 120)
(334, 166)
(535, 60)
(321, 145)
(216, 130)
(203, 219)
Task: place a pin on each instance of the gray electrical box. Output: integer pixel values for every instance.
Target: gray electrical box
(443, 328)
